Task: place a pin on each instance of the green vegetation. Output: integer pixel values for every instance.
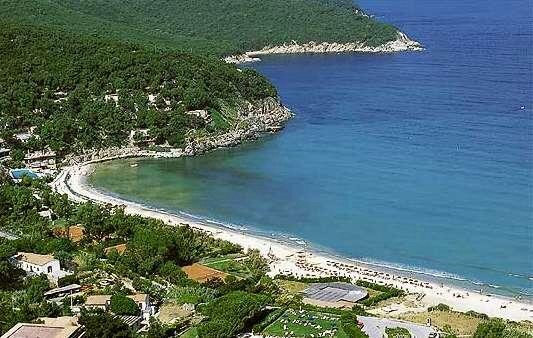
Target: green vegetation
(397, 332)
(124, 306)
(457, 324)
(65, 78)
(385, 292)
(89, 75)
(253, 264)
(152, 261)
(229, 313)
(213, 27)
(304, 323)
(350, 327)
(192, 294)
(497, 328)
(99, 324)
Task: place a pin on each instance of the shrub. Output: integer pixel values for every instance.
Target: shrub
(439, 307)
(122, 305)
(99, 324)
(475, 314)
(269, 319)
(349, 326)
(228, 314)
(67, 280)
(386, 292)
(397, 332)
(191, 295)
(490, 329)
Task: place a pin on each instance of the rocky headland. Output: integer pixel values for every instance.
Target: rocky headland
(252, 120)
(401, 44)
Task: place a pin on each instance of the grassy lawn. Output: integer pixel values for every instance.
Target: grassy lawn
(221, 258)
(291, 287)
(302, 323)
(229, 265)
(190, 333)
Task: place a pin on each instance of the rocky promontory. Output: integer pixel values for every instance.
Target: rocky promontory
(267, 115)
(402, 43)
(252, 120)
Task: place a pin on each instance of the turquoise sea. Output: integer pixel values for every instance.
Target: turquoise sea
(422, 161)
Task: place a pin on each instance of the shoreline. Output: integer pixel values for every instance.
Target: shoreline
(402, 44)
(302, 261)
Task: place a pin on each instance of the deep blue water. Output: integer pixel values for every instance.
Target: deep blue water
(416, 159)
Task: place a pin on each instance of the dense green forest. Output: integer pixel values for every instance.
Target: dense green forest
(88, 73)
(58, 81)
(215, 27)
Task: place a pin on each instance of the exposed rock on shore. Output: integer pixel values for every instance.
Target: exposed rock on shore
(268, 115)
(402, 43)
(253, 120)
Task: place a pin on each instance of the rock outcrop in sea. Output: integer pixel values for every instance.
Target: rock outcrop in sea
(402, 43)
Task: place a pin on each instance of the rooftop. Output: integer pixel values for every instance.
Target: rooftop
(66, 288)
(335, 292)
(98, 300)
(140, 297)
(33, 258)
(61, 327)
(103, 299)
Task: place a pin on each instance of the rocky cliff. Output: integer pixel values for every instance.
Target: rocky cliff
(253, 120)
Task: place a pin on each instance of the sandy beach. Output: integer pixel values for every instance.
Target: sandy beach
(288, 259)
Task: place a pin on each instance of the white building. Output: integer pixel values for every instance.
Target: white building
(39, 264)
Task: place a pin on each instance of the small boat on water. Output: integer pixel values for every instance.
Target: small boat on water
(134, 165)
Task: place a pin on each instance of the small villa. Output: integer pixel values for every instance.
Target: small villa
(37, 264)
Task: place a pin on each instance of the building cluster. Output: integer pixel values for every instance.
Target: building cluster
(35, 163)
(68, 327)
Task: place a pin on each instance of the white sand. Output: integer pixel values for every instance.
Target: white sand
(291, 259)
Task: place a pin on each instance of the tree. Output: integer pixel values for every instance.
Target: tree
(158, 330)
(94, 219)
(10, 276)
(490, 329)
(99, 324)
(122, 305)
(173, 273)
(256, 263)
(349, 326)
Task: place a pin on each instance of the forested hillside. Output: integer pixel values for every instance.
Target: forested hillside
(86, 74)
(221, 27)
(84, 92)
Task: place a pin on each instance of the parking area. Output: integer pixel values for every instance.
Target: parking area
(375, 327)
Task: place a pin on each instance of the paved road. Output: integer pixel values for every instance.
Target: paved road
(375, 327)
